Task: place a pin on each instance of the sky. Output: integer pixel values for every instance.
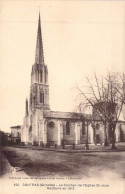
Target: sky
(79, 38)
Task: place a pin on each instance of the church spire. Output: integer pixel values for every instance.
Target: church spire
(39, 58)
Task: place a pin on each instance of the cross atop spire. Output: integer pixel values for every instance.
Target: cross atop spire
(39, 58)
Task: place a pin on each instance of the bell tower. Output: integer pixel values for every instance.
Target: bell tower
(39, 90)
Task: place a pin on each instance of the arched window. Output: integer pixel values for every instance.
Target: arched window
(30, 128)
(41, 75)
(83, 128)
(97, 126)
(67, 128)
(41, 97)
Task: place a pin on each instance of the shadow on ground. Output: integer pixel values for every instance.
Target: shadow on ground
(50, 163)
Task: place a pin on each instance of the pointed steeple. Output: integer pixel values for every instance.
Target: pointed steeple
(39, 58)
(39, 77)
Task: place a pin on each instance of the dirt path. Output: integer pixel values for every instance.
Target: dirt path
(50, 163)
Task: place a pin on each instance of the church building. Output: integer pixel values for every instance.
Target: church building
(41, 125)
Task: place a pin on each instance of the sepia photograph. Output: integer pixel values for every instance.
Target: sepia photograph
(62, 96)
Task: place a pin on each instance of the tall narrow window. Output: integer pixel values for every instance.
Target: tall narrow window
(41, 75)
(83, 128)
(67, 128)
(30, 128)
(41, 97)
(97, 126)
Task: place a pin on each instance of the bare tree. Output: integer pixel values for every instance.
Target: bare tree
(106, 97)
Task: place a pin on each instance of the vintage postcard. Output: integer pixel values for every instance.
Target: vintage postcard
(62, 96)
